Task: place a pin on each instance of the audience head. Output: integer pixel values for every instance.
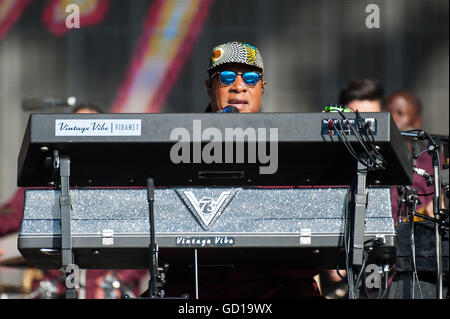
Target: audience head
(406, 110)
(364, 95)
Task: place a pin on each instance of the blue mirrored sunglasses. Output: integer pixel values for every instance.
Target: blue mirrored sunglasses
(228, 77)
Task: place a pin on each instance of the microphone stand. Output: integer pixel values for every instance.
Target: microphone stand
(411, 202)
(433, 150)
(437, 214)
(157, 279)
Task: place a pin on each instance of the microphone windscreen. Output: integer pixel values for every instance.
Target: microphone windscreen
(229, 109)
(36, 103)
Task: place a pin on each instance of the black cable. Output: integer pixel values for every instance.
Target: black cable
(363, 144)
(361, 126)
(413, 252)
(380, 289)
(429, 194)
(373, 154)
(395, 279)
(347, 239)
(339, 274)
(364, 285)
(368, 132)
(385, 273)
(365, 288)
(364, 274)
(380, 156)
(386, 284)
(365, 127)
(349, 147)
(365, 256)
(345, 141)
(363, 267)
(339, 265)
(355, 133)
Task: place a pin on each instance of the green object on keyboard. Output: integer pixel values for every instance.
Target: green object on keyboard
(336, 108)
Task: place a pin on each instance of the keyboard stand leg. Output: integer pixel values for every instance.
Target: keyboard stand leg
(65, 203)
(157, 275)
(358, 215)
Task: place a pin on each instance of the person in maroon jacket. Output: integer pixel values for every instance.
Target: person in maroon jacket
(11, 213)
(406, 110)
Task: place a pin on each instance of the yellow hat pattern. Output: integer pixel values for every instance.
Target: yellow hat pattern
(236, 52)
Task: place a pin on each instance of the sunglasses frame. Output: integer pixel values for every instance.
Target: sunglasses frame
(238, 73)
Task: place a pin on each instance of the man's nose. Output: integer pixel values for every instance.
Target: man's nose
(239, 84)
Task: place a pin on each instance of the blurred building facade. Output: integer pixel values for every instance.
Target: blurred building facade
(311, 48)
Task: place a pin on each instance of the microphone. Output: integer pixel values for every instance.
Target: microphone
(424, 174)
(229, 109)
(420, 135)
(32, 104)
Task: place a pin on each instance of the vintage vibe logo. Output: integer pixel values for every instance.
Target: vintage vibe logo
(98, 127)
(206, 209)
